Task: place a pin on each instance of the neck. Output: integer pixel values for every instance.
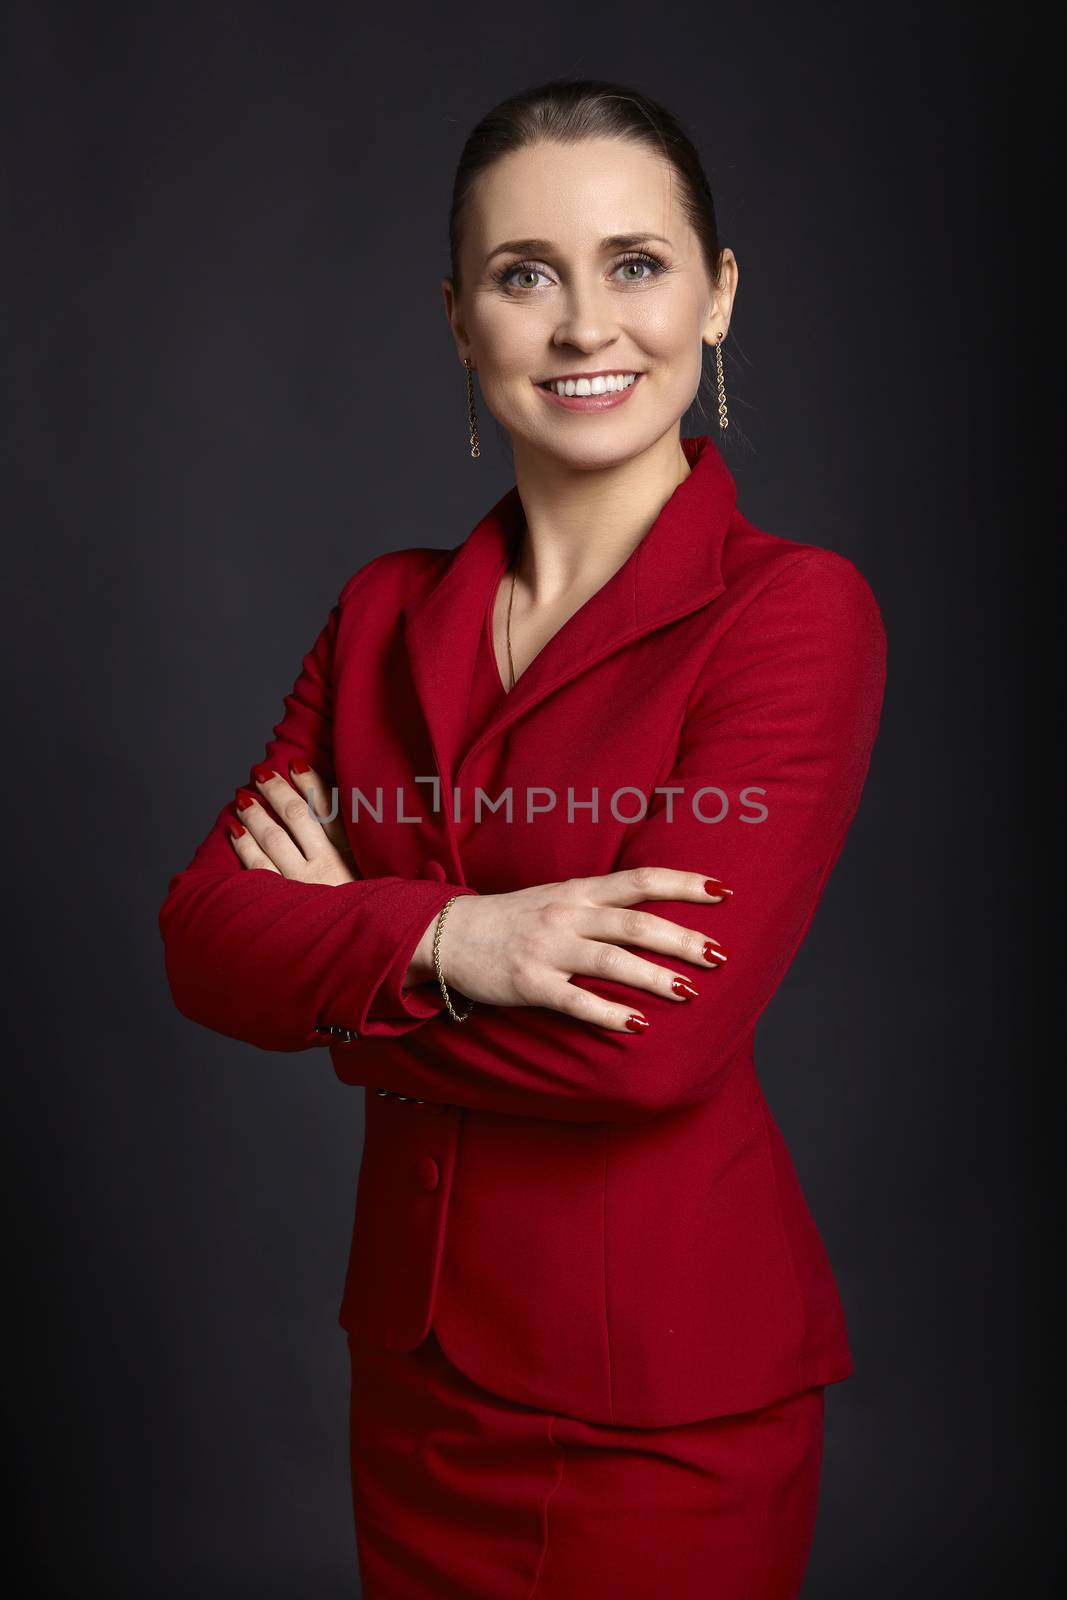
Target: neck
(582, 523)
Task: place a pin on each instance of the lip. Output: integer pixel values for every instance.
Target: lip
(591, 402)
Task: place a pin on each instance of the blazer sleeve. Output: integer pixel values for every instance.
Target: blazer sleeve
(787, 708)
(286, 965)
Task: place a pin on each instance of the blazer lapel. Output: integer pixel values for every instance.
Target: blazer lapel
(675, 568)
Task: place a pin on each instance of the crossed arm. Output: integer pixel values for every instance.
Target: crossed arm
(789, 702)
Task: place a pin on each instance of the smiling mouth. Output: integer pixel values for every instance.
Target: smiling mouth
(591, 383)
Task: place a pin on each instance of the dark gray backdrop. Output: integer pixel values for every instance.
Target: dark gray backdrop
(229, 355)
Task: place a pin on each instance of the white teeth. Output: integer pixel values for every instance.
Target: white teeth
(586, 386)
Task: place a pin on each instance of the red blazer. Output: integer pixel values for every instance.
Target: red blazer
(600, 1223)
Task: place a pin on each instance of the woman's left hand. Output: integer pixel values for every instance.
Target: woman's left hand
(304, 848)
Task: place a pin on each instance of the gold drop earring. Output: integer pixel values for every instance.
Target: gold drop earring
(472, 414)
(724, 421)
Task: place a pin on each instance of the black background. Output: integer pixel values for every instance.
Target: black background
(228, 352)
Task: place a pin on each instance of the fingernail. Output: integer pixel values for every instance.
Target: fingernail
(683, 986)
(715, 952)
(236, 828)
(263, 774)
(636, 1023)
(244, 800)
(717, 887)
(299, 766)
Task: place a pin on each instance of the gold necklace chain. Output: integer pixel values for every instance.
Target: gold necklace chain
(511, 659)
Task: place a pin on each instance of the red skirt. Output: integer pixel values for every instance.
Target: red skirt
(462, 1494)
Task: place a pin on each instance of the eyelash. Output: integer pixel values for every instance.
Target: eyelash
(501, 277)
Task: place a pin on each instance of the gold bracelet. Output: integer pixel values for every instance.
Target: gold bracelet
(453, 1013)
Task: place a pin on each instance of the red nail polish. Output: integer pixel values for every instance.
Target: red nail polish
(716, 886)
(715, 952)
(683, 986)
(236, 828)
(244, 799)
(299, 766)
(263, 774)
(636, 1023)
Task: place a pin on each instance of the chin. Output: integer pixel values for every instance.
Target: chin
(592, 454)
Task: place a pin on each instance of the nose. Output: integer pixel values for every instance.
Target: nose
(587, 321)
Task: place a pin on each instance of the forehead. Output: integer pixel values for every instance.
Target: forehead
(575, 194)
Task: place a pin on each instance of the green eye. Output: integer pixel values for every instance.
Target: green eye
(504, 277)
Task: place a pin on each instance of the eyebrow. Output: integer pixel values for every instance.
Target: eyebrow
(614, 241)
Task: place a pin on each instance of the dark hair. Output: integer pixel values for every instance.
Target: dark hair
(566, 110)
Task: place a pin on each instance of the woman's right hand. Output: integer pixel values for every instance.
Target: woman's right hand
(522, 948)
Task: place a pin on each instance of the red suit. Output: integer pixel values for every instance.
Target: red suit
(602, 1225)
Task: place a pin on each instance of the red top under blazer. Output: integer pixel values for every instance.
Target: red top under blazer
(599, 1223)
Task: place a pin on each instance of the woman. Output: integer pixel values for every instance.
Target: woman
(539, 833)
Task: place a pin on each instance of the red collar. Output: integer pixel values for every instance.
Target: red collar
(675, 568)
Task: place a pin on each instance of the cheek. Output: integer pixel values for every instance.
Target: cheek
(510, 336)
(666, 330)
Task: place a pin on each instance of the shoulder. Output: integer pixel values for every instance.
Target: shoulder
(395, 575)
(776, 576)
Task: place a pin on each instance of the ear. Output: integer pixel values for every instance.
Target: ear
(459, 334)
(722, 303)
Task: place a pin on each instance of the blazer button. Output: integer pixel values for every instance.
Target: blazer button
(429, 1176)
